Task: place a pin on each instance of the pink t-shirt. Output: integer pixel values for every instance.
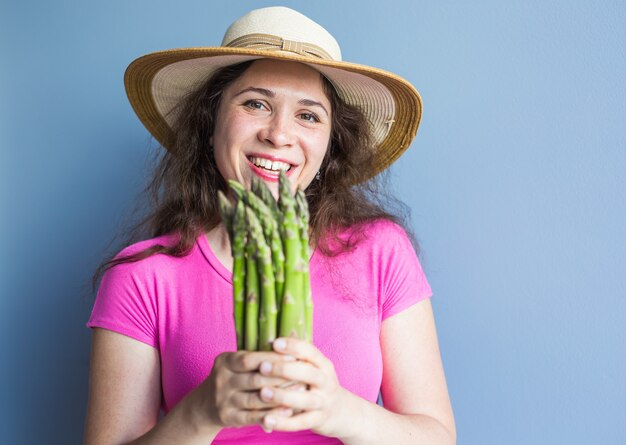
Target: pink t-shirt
(183, 307)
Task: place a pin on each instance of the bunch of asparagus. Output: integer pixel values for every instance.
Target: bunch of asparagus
(270, 247)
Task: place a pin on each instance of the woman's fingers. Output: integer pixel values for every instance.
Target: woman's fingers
(296, 381)
(246, 361)
(271, 397)
(276, 413)
(316, 399)
(232, 389)
(250, 400)
(247, 381)
(299, 371)
(302, 350)
(298, 399)
(238, 417)
(298, 422)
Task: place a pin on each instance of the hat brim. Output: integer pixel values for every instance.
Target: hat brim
(155, 84)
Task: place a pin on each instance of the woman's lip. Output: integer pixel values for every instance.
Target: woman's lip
(271, 158)
(266, 175)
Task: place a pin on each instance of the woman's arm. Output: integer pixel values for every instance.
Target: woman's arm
(417, 406)
(124, 389)
(125, 395)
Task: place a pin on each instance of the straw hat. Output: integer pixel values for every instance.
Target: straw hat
(156, 82)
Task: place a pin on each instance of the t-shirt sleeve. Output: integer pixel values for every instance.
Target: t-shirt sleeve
(404, 280)
(125, 303)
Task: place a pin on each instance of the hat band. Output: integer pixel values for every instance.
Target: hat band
(268, 42)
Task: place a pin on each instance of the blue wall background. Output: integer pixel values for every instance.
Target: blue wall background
(516, 183)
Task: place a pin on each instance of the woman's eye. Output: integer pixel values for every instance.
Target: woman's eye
(255, 104)
(309, 117)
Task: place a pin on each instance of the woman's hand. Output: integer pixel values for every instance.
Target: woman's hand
(319, 403)
(230, 396)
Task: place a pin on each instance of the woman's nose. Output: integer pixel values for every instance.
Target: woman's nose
(278, 131)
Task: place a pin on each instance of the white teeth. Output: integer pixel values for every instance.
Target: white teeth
(269, 165)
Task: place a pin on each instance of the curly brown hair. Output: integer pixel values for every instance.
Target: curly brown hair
(184, 186)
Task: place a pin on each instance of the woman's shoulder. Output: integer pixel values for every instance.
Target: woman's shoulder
(384, 227)
(146, 258)
(378, 231)
(387, 237)
(379, 235)
(167, 240)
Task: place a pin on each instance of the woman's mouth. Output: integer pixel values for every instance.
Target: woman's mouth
(269, 169)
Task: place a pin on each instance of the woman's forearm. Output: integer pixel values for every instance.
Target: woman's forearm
(180, 426)
(373, 424)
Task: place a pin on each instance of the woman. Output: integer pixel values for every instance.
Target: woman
(275, 96)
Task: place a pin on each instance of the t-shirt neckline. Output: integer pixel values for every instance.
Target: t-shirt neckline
(212, 259)
(219, 267)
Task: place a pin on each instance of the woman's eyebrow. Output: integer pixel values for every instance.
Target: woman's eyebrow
(263, 91)
(312, 103)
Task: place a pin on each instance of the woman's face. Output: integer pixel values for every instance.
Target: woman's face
(274, 117)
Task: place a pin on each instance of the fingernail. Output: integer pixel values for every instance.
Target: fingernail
(280, 344)
(267, 394)
(286, 412)
(265, 368)
(269, 422)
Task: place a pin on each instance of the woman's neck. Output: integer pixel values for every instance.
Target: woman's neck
(220, 245)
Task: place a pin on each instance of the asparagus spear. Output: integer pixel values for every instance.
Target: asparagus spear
(272, 237)
(268, 310)
(237, 189)
(302, 208)
(239, 271)
(227, 211)
(292, 310)
(233, 218)
(260, 189)
(252, 296)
